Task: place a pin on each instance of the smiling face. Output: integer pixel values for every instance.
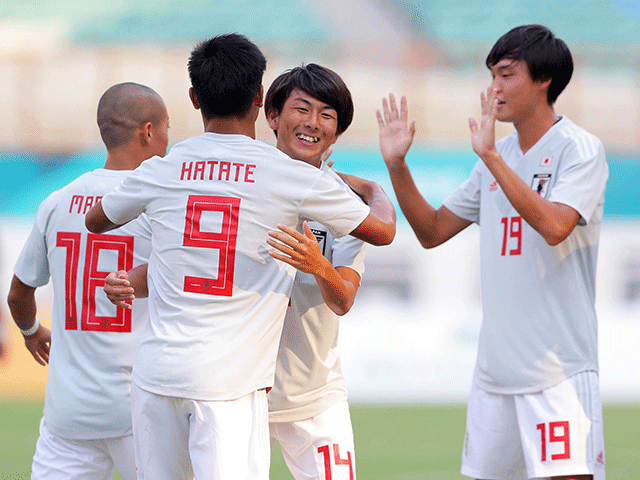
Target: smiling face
(518, 95)
(305, 127)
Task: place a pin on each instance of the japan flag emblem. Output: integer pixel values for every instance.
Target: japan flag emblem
(546, 161)
(540, 183)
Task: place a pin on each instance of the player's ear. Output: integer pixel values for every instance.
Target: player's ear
(259, 96)
(146, 132)
(194, 98)
(272, 120)
(545, 84)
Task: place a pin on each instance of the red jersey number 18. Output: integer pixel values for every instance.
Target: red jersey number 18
(93, 279)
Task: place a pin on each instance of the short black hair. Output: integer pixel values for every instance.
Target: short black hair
(546, 56)
(226, 72)
(317, 81)
(123, 108)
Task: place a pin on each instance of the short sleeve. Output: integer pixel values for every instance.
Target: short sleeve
(465, 201)
(129, 199)
(582, 178)
(349, 252)
(337, 209)
(32, 266)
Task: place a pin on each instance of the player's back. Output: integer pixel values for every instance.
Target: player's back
(217, 298)
(93, 342)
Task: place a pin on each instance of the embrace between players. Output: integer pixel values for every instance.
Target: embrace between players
(223, 359)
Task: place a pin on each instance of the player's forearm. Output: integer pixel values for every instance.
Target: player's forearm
(138, 280)
(379, 228)
(554, 222)
(337, 292)
(419, 213)
(22, 304)
(97, 221)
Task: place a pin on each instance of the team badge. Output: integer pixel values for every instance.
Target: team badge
(546, 161)
(540, 183)
(493, 187)
(321, 236)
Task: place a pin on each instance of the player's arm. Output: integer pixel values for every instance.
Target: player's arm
(97, 221)
(432, 227)
(379, 227)
(22, 304)
(338, 285)
(122, 286)
(554, 221)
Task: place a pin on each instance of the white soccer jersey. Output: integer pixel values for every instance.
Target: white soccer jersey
(93, 341)
(539, 324)
(216, 298)
(308, 377)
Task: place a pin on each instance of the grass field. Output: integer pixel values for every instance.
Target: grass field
(393, 442)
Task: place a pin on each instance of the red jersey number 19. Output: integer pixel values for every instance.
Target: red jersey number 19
(512, 234)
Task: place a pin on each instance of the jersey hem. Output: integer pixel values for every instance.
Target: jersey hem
(199, 395)
(531, 389)
(93, 435)
(309, 410)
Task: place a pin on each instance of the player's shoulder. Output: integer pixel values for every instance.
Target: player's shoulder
(53, 198)
(569, 134)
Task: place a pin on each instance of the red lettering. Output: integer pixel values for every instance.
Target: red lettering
(324, 451)
(212, 164)
(187, 170)
(225, 167)
(70, 241)
(88, 204)
(199, 169)
(94, 279)
(553, 438)
(76, 199)
(249, 171)
(224, 241)
(238, 166)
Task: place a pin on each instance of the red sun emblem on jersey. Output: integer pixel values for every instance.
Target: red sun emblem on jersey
(546, 161)
(493, 187)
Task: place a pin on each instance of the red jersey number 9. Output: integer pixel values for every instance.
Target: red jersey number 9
(224, 241)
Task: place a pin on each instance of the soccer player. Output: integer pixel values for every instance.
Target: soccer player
(308, 410)
(217, 298)
(86, 432)
(538, 195)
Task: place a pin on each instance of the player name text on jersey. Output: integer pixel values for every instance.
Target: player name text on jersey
(82, 204)
(214, 170)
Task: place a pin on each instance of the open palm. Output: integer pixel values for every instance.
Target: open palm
(396, 135)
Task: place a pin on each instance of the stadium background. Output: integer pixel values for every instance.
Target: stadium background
(410, 338)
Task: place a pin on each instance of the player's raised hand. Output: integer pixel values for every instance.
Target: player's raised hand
(396, 135)
(301, 251)
(38, 344)
(325, 157)
(118, 289)
(483, 137)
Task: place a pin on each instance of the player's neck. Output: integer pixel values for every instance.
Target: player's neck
(534, 126)
(230, 126)
(123, 160)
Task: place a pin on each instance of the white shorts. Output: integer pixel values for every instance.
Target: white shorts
(179, 438)
(551, 433)
(320, 447)
(58, 457)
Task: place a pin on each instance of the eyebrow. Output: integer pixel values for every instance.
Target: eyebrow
(307, 102)
(511, 64)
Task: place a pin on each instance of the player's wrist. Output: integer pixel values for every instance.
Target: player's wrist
(32, 330)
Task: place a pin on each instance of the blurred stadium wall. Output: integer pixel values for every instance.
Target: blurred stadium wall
(411, 335)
